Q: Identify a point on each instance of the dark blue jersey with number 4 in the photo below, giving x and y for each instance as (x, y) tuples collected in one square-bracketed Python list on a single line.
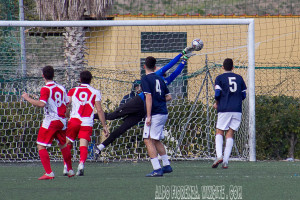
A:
[(230, 91), (154, 84)]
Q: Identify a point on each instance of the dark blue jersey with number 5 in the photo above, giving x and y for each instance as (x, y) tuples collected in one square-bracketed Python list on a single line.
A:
[(230, 91), (154, 84)]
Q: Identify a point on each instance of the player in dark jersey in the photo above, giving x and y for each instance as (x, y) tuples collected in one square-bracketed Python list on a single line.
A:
[(230, 91), (156, 95), (133, 110)]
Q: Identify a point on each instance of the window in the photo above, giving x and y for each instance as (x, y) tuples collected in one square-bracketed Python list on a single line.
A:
[(167, 42)]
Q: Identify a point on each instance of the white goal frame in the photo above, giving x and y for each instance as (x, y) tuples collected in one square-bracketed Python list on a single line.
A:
[(102, 23)]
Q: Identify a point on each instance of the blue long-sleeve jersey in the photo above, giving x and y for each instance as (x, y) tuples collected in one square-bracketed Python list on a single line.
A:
[(168, 80)]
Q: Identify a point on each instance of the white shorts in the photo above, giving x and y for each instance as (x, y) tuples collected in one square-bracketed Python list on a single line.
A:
[(228, 120), (155, 130)]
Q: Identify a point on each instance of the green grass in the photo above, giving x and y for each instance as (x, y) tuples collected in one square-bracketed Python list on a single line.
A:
[(258, 180)]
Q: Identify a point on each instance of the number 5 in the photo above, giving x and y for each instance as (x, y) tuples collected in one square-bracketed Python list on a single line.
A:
[(232, 84)]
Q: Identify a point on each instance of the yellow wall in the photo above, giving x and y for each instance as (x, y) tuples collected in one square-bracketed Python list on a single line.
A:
[(115, 52)]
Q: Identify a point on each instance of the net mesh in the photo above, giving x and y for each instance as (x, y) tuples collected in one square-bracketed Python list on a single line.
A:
[(115, 55)]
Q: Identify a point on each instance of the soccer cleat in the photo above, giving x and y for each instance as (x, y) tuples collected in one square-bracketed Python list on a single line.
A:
[(217, 162), (80, 171), (156, 173), (97, 152), (167, 169), (47, 176), (71, 173), (225, 165), (65, 172)]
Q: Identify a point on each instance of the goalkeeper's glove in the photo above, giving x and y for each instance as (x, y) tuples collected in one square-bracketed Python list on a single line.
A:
[(187, 50), (188, 55)]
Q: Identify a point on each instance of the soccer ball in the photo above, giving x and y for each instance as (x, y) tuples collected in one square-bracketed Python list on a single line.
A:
[(197, 44)]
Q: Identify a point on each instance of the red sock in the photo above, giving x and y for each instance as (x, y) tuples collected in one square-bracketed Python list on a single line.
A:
[(67, 157), (45, 159), (70, 146), (83, 153)]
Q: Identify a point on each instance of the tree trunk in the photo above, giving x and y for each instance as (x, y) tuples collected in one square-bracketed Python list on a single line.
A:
[(292, 141), (74, 53)]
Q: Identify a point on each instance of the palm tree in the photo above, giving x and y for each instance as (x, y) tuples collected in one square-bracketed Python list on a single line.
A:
[(63, 10)]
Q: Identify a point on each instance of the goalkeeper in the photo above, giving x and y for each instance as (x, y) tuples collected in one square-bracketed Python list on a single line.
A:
[(133, 111)]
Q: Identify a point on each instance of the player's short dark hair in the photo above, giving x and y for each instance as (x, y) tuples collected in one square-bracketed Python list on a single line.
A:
[(150, 62), (86, 77), (228, 64), (48, 72)]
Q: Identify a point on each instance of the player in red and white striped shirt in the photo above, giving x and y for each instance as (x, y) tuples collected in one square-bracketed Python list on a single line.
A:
[(53, 99), (83, 100)]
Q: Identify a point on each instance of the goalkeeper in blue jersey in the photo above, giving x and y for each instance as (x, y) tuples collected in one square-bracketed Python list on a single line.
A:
[(133, 110), (230, 91), (136, 89)]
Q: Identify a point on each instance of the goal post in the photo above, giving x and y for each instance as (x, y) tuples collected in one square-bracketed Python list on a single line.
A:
[(113, 74), (251, 86)]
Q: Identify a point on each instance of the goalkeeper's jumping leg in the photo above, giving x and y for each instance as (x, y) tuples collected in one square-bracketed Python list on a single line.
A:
[(129, 122), (133, 107)]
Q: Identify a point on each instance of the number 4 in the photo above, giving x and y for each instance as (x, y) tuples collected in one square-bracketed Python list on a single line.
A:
[(157, 86), (232, 84)]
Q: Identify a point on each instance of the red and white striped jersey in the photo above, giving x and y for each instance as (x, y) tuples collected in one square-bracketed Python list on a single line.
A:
[(83, 103), (56, 100)]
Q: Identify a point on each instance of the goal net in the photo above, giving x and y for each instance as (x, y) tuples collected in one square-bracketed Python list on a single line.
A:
[(114, 51)]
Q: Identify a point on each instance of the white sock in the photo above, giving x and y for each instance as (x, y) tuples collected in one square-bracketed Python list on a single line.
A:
[(219, 145), (80, 165), (228, 148), (155, 163), (165, 160), (101, 147)]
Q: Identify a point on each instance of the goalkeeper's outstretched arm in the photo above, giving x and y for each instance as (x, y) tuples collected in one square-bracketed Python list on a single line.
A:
[(186, 53), (174, 74), (168, 66)]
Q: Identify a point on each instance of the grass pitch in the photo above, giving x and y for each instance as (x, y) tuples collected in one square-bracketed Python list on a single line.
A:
[(123, 180)]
